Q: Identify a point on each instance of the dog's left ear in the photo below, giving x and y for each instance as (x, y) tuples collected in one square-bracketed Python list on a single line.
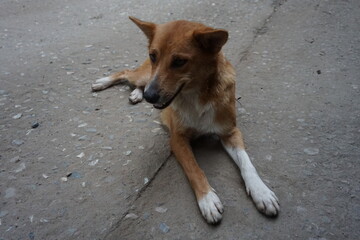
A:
[(211, 40), (147, 27)]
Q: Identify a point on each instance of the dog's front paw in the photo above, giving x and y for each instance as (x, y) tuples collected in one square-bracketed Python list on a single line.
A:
[(211, 207), (264, 199), (101, 84), (136, 96)]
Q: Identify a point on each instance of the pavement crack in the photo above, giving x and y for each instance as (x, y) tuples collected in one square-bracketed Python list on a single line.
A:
[(138, 195), (143, 189), (263, 29)]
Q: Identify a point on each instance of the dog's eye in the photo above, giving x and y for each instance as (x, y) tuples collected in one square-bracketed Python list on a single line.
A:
[(152, 57), (178, 62)]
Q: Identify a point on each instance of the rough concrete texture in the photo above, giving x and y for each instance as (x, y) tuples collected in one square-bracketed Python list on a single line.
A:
[(97, 167)]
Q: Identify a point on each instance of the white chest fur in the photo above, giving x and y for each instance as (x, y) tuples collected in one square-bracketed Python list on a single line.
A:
[(194, 115)]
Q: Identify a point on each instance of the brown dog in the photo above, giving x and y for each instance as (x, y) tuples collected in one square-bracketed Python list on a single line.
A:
[(188, 77)]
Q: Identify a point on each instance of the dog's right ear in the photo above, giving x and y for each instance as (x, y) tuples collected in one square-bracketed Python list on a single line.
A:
[(211, 40), (147, 27)]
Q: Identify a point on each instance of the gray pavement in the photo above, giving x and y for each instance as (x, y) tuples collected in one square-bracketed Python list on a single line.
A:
[(98, 167)]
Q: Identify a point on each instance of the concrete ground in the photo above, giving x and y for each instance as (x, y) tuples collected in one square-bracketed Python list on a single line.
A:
[(81, 165)]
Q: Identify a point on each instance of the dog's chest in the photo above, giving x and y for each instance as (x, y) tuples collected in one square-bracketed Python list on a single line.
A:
[(197, 116)]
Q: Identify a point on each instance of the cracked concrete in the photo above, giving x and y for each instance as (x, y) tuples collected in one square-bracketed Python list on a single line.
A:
[(286, 85), (97, 167)]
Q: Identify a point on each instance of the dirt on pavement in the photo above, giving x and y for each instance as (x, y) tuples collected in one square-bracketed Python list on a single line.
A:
[(81, 165)]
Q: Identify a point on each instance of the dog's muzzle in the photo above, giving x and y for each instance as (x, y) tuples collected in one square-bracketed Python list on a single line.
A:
[(159, 101)]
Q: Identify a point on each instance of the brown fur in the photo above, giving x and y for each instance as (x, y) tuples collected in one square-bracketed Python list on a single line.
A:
[(202, 89), (208, 71)]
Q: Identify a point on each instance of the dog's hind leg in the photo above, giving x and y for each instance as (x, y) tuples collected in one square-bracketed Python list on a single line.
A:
[(264, 199), (138, 77)]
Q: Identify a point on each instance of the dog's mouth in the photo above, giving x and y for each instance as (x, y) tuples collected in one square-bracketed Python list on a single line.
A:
[(167, 102)]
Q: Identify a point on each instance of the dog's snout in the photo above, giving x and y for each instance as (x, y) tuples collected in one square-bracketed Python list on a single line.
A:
[(151, 95)]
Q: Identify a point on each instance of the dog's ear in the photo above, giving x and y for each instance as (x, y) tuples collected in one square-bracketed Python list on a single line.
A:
[(147, 27), (211, 40)]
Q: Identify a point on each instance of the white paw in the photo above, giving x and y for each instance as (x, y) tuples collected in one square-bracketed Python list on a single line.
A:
[(101, 84), (211, 207), (264, 199), (136, 95)]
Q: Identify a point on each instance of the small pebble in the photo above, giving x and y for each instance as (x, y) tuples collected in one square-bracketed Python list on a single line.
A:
[(130, 118), (311, 151), (164, 228), (82, 125), (80, 155), (88, 61), (10, 192), (192, 226), (146, 215), (17, 142), (93, 163), (241, 110), (64, 179), (31, 236), (45, 176), (109, 179), (146, 180), (20, 168), (91, 130), (161, 209), (93, 70), (107, 148), (131, 216), (15, 159), (325, 219), (35, 125), (44, 220), (300, 209), (71, 231), (127, 153), (127, 162), (3, 213), (17, 116), (155, 130), (75, 174), (82, 138)]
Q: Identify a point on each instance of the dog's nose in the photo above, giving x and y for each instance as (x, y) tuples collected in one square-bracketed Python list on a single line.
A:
[(151, 95)]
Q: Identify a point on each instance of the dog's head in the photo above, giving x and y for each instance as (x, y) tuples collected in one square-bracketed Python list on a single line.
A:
[(182, 55)]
